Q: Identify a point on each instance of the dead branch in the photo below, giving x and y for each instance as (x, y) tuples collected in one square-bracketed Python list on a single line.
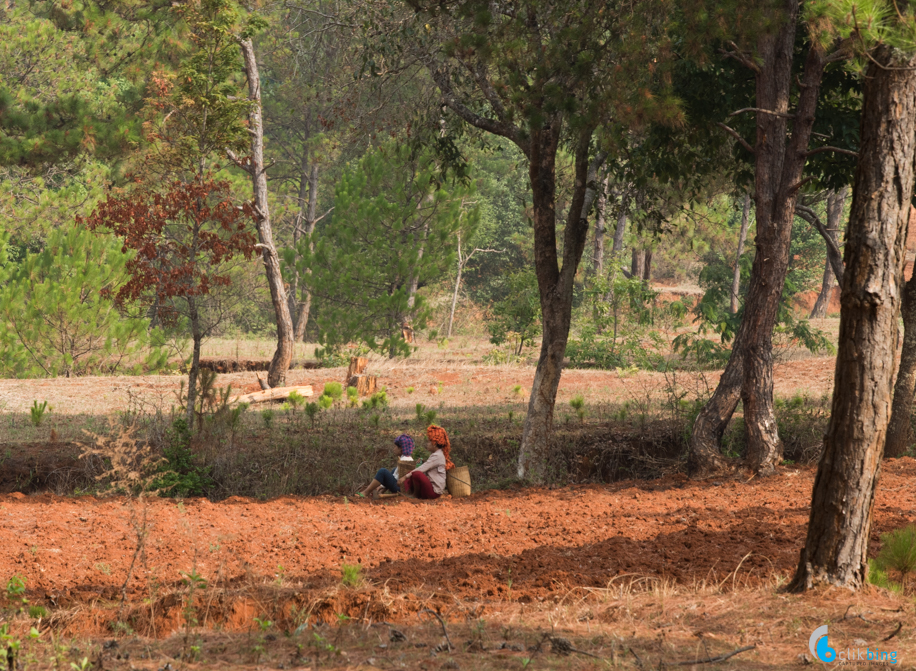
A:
[(894, 633), (441, 622), (719, 658), (735, 134)]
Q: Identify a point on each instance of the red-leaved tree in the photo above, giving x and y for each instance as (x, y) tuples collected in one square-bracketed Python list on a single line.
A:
[(182, 236)]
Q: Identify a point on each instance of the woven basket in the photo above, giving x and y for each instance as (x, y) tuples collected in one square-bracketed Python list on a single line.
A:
[(458, 481)]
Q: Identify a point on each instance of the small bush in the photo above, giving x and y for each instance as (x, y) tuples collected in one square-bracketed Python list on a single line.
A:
[(325, 402), (896, 563), (578, 404), (180, 475), (333, 390), (351, 575), (296, 399), (38, 412)]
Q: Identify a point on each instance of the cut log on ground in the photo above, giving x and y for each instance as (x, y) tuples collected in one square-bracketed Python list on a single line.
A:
[(365, 384), (357, 366), (277, 394)]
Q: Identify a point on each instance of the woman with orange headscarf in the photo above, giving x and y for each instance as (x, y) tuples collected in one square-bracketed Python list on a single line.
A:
[(427, 481)]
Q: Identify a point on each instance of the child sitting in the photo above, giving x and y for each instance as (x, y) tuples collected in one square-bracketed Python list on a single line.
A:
[(389, 479)]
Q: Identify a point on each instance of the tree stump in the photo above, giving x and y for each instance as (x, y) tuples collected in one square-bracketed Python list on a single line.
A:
[(365, 384), (357, 366)]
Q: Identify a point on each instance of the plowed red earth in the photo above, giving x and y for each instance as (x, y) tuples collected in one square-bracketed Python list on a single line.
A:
[(525, 545)]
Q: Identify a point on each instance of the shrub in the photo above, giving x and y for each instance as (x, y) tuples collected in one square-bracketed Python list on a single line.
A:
[(896, 561), (325, 402), (181, 475), (334, 390), (37, 412), (351, 575)]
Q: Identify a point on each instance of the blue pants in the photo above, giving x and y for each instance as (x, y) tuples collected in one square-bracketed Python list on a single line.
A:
[(388, 480)]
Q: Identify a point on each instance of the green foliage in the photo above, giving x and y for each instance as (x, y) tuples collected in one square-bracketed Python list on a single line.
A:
[(268, 417), (620, 325), (425, 416), (577, 403), (331, 357), (296, 400), (351, 575), (56, 318), (181, 475), (895, 564), (378, 401), (334, 390), (516, 317), (312, 410), (394, 226), (37, 412), (325, 402), (353, 396)]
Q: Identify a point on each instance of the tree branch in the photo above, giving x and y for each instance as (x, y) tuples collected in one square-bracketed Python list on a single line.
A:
[(719, 658), (834, 253), (838, 150), (741, 58), (494, 126), (736, 135), (762, 111)]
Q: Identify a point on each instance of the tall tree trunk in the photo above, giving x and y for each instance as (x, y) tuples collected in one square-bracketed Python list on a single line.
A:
[(899, 430), (555, 284), (600, 229), (621, 228), (835, 202), (279, 365), (638, 263), (779, 164), (451, 315), (647, 266), (844, 489), (305, 302), (742, 236), (196, 339)]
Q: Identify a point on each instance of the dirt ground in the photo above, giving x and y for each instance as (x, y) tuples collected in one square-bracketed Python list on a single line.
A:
[(523, 546)]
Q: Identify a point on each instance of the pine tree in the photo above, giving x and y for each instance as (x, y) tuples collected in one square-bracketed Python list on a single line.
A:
[(394, 227)]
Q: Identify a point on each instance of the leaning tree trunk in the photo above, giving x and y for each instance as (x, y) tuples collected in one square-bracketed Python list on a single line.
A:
[(742, 237), (276, 375), (555, 284), (835, 202), (844, 489), (779, 164)]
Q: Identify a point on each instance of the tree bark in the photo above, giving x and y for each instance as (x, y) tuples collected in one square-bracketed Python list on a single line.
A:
[(647, 266), (621, 228), (835, 202), (196, 339), (308, 216), (451, 315), (899, 432), (638, 263), (779, 164), (279, 365), (555, 283), (742, 237), (600, 228), (844, 488)]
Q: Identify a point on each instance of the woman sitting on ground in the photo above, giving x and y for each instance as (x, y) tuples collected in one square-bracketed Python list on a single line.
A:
[(389, 479), (428, 480)]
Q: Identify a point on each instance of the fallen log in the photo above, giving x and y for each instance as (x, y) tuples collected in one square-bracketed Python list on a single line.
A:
[(277, 394)]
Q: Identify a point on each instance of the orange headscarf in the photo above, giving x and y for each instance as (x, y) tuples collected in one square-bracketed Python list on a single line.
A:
[(438, 435)]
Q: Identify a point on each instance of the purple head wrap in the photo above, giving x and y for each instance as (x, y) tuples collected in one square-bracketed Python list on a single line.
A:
[(405, 442)]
